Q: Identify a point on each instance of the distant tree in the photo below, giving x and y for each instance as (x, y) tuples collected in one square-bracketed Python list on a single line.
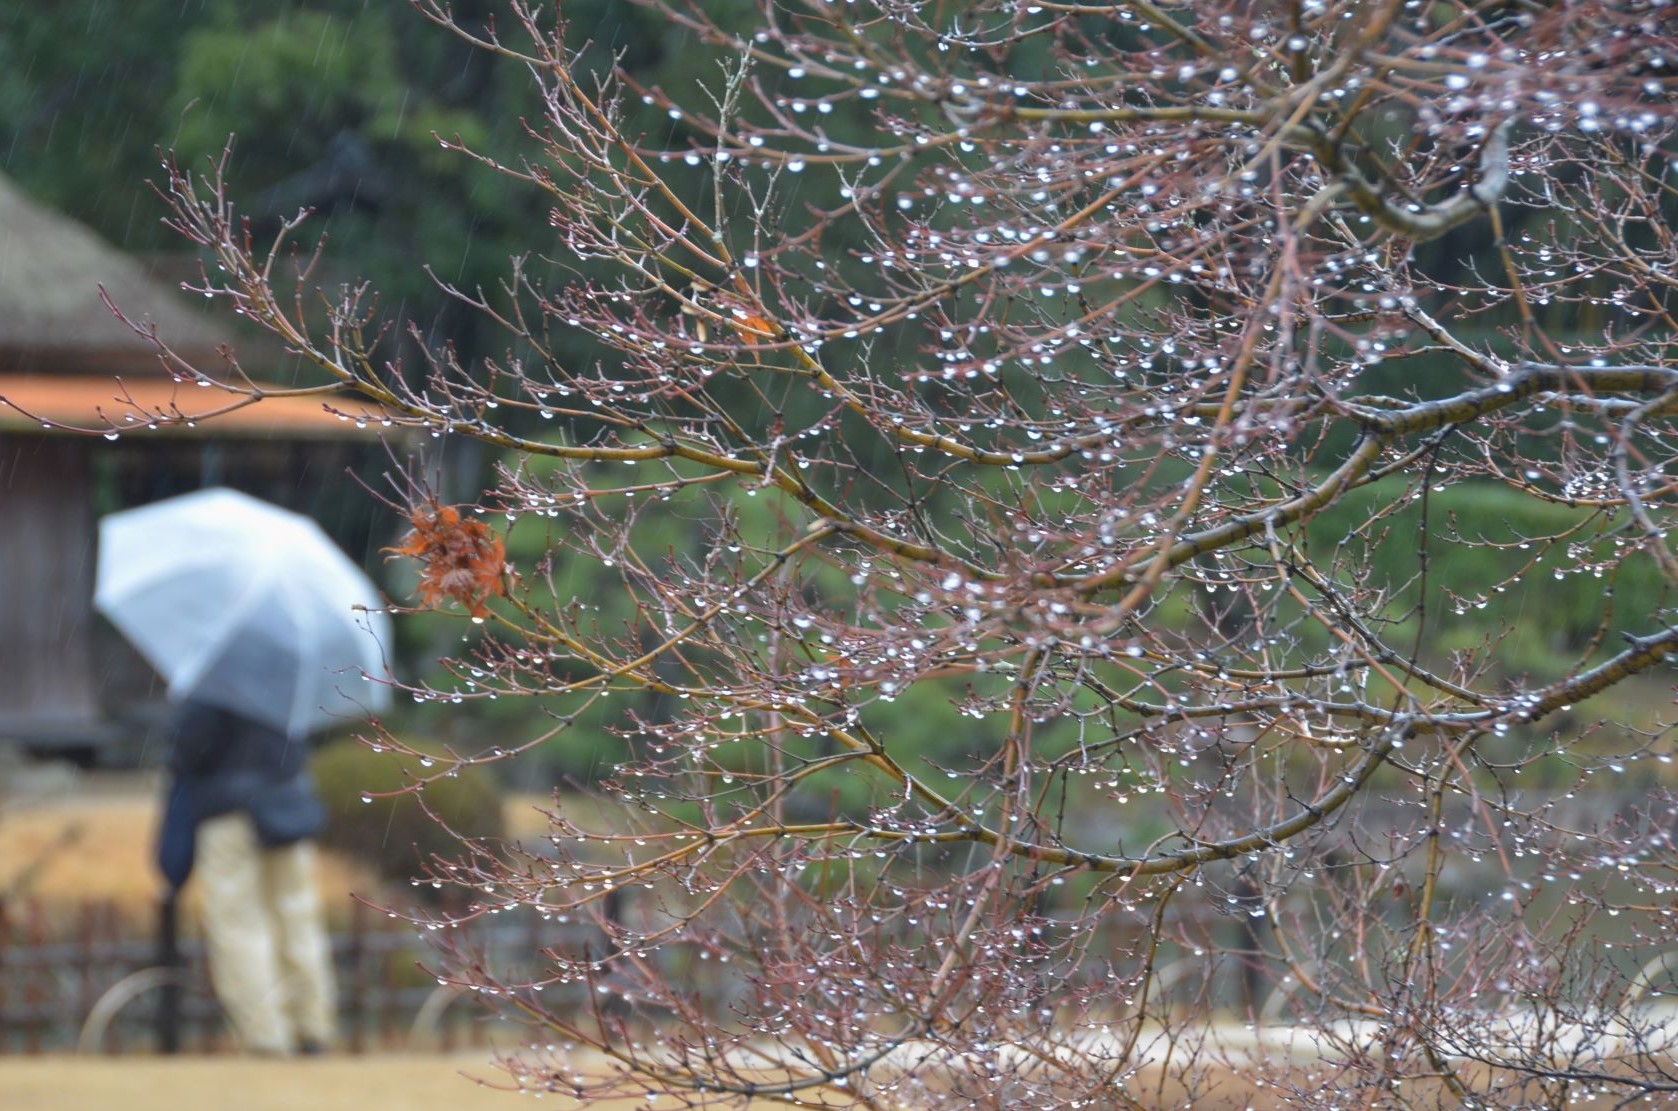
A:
[(1098, 382), (334, 101)]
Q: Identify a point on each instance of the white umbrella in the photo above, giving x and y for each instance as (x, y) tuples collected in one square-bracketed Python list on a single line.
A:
[(247, 606)]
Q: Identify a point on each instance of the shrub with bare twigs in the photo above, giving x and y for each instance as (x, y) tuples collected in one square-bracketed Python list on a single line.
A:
[(1034, 449)]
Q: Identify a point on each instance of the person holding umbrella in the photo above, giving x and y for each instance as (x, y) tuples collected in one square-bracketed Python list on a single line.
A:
[(259, 623), (245, 791)]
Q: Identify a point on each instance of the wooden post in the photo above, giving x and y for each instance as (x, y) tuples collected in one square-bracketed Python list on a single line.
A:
[(34, 994), (355, 999), (169, 956), (5, 946)]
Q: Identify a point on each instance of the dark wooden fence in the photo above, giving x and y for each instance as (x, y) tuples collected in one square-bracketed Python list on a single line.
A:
[(101, 983), (98, 983)]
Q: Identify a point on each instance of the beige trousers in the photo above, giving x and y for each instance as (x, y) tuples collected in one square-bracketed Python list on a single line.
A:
[(270, 956)]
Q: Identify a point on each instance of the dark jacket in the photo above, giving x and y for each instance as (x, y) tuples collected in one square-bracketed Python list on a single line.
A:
[(227, 762)]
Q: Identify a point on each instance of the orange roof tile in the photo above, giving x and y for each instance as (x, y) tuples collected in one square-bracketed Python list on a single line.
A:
[(52, 403)]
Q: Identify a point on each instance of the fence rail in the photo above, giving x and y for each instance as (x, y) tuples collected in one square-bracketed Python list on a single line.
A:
[(98, 983)]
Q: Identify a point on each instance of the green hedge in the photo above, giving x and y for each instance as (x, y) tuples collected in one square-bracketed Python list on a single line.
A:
[(396, 832), (1495, 566)]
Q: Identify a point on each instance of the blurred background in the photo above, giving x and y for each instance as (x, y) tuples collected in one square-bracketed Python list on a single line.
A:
[(338, 106)]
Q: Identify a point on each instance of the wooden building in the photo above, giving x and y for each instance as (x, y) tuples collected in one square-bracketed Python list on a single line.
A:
[(67, 682)]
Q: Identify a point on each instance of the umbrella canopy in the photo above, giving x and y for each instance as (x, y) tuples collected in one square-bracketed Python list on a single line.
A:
[(247, 606)]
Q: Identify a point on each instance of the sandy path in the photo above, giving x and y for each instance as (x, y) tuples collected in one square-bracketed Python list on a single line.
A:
[(374, 1083)]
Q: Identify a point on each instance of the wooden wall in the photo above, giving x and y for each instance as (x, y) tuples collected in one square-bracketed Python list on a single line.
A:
[(46, 587), (68, 680)]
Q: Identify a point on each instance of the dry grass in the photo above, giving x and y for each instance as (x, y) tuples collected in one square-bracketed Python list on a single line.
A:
[(72, 846), (92, 838)]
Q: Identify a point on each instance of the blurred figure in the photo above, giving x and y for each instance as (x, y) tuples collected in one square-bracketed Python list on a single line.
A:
[(243, 813)]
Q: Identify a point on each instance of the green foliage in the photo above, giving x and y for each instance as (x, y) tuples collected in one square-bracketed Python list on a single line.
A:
[(1518, 567), (90, 91), (79, 84), (396, 831), (307, 72), (1521, 568)]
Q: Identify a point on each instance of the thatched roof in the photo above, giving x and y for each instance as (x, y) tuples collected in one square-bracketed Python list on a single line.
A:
[(67, 364), (51, 318)]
